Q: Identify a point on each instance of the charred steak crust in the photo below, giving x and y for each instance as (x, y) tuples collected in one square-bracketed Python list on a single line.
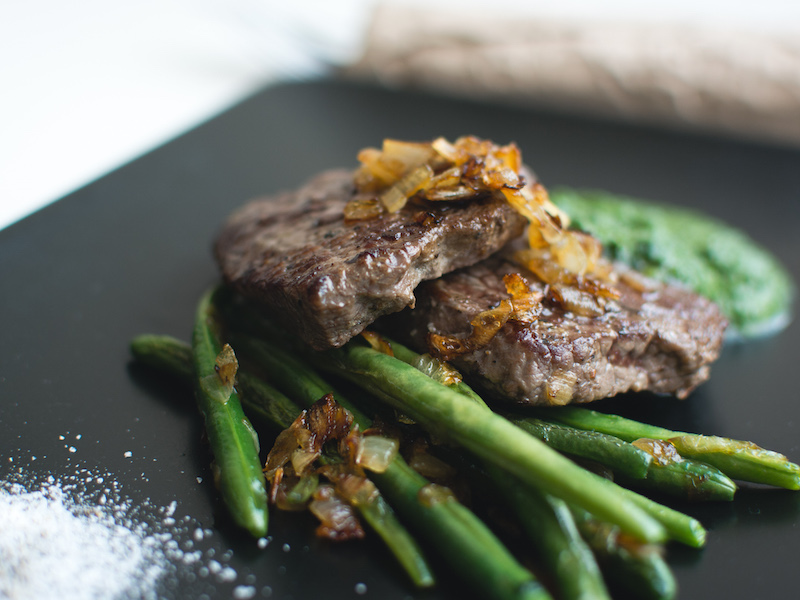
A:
[(661, 340), (327, 279)]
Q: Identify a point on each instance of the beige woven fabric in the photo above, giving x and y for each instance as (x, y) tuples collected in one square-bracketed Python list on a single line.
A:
[(744, 83)]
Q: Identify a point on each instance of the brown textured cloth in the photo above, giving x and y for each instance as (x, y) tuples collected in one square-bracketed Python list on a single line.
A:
[(742, 83)]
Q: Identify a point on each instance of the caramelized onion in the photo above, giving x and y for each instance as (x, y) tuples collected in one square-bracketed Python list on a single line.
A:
[(662, 451), (293, 467), (470, 167), (575, 301), (357, 490), (338, 520), (523, 306), (560, 387), (377, 342), (437, 370), (433, 494), (375, 452), (396, 196), (362, 208)]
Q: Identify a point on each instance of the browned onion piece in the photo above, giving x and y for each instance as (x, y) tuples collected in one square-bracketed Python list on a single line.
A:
[(662, 451), (293, 461), (433, 494), (431, 467), (377, 342), (575, 301), (442, 171), (560, 387), (437, 370), (375, 452), (524, 306), (484, 326), (362, 208), (396, 196), (442, 194), (338, 520)]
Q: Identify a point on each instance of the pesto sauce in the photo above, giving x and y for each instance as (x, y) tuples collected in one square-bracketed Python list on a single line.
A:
[(673, 244)]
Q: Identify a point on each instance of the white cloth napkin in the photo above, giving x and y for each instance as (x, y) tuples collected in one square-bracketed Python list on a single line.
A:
[(738, 79)]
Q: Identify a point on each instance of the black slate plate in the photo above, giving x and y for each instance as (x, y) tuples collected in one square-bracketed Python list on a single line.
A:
[(130, 253)]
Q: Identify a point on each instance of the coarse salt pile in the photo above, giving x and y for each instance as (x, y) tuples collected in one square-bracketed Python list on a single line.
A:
[(50, 543)]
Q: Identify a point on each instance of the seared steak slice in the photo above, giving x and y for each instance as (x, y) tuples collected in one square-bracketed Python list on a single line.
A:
[(660, 340), (326, 279)]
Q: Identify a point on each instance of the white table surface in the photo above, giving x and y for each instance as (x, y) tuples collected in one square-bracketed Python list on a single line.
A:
[(88, 85)]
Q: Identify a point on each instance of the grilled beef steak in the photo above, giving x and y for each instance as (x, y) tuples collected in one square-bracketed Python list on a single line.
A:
[(327, 279), (660, 340)]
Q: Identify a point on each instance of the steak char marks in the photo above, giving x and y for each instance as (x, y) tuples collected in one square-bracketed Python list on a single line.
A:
[(326, 279), (660, 340)]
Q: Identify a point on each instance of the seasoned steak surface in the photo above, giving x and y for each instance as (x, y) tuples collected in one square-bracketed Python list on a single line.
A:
[(326, 279), (661, 340)]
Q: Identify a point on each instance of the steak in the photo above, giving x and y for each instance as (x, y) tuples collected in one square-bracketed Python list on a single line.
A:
[(327, 279), (661, 340)]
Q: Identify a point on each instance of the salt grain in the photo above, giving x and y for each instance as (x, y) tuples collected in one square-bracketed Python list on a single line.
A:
[(244, 592)]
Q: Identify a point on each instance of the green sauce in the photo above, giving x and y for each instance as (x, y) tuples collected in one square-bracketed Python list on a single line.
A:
[(679, 245)]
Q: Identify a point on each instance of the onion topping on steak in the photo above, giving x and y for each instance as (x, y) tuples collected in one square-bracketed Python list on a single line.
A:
[(441, 171), (650, 337), (326, 278)]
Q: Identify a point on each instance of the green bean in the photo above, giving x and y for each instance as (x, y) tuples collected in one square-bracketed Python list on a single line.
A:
[(621, 457), (736, 459), (680, 527), (549, 525), (463, 540), (232, 439), (428, 365), (640, 570), (740, 460), (686, 479), (165, 353), (264, 403), (683, 478)]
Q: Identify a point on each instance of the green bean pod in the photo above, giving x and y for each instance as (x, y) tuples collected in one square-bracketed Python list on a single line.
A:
[(679, 526), (619, 456), (550, 527), (688, 480), (462, 539), (165, 353), (231, 437), (737, 459), (641, 571)]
